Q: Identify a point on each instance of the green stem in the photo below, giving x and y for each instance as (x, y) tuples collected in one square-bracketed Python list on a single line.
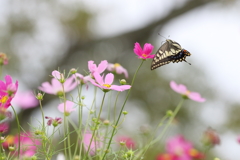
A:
[(18, 124), (96, 125), (165, 128), (119, 116), (43, 121)]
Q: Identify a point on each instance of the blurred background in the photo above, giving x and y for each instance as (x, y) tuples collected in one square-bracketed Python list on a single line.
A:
[(40, 36)]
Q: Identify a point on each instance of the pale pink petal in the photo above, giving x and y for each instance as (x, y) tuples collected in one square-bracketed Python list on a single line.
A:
[(69, 107), (110, 67), (120, 70), (178, 88), (25, 100), (109, 78), (56, 74), (46, 87), (148, 48), (70, 84), (138, 49), (120, 88), (91, 66), (98, 78), (196, 97), (94, 145), (102, 66), (8, 79)]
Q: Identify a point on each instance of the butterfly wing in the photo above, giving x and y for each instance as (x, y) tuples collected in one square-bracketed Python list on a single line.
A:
[(166, 54)]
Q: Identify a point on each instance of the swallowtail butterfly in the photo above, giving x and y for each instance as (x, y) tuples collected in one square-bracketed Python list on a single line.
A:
[(170, 51)]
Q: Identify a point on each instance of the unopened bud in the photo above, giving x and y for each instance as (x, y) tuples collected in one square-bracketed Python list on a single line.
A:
[(123, 82), (125, 112)]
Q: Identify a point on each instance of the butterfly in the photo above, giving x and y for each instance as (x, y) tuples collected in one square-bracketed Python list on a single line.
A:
[(170, 51)]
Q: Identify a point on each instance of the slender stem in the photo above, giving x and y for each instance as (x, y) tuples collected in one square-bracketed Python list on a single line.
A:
[(79, 120), (18, 124), (88, 119), (64, 121), (120, 113), (165, 128), (96, 125), (115, 107), (43, 121)]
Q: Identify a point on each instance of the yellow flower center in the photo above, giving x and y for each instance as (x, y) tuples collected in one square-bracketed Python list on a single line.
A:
[(166, 157), (144, 55), (4, 99), (107, 85), (10, 139), (116, 65), (187, 92)]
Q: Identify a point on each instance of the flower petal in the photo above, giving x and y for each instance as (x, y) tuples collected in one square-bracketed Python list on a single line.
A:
[(137, 49), (98, 78), (178, 88), (102, 66), (148, 48), (109, 78), (196, 97), (56, 74)]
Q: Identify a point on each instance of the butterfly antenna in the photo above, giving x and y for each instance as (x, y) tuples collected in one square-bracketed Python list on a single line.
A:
[(161, 35), (187, 62)]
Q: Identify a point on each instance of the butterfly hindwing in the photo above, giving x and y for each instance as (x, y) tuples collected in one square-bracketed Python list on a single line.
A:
[(170, 51)]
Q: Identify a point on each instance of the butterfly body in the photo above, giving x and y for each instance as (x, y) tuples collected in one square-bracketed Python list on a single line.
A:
[(170, 51)]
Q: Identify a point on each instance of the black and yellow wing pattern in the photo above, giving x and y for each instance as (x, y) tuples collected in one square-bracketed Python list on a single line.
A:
[(170, 51)]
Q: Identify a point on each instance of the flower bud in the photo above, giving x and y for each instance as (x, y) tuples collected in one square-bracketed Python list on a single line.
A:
[(73, 71), (125, 112), (169, 113), (106, 122), (40, 96), (123, 82), (11, 148)]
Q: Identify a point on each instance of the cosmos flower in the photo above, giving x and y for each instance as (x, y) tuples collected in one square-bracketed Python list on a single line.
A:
[(25, 100), (53, 121), (117, 68), (210, 138), (28, 144), (96, 144), (3, 127), (145, 52), (68, 109), (100, 68), (56, 86), (106, 83), (8, 90), (185, 92)]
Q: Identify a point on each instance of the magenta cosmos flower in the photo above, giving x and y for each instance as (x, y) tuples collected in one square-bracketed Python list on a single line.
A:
[(3, 127), (106, 83), (8, 90), (145, 52), (96, 144), (56, 86), (25, 100), (68, 108), (185, 92), (100, 68), (117, 68)]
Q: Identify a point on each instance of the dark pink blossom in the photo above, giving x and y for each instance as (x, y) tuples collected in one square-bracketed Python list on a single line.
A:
[(3, 127), (53, 121), (106, 83), (117, 68), (25, 100), (145, 52), (8, 90), (185, 92)]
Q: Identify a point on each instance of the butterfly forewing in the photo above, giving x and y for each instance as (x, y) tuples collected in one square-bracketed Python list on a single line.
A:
[(170, 51)]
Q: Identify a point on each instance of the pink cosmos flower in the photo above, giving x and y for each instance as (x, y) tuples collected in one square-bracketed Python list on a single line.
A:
[(8, 90), (25, 100), (100, 68), (56, 74), (106, 84), (180, 147), (145, 52), (28, 144), (94, 145), (56, 87), (68, 109), (185, 92), (117, 68), (129, 142), (82, 79), (4, 127)]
